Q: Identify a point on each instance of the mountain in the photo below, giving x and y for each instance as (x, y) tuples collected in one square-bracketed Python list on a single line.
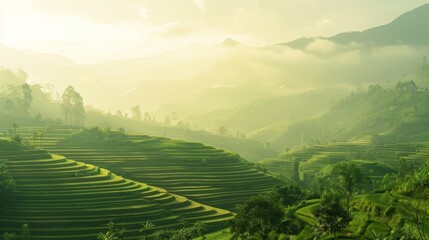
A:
[(269, 110), (228, 83), (411, 28), (396, 114)]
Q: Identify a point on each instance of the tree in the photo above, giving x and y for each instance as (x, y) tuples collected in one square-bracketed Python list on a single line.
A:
[(146, 228), (291, 225), (287, 195), (66, 105), (27, 96), (417, 188), (137, 114), (347, 179), (72, 107), (9, 236), (8, 186), (182, 234), (107, 236), (25, 232), (222, 130), (331, 215), (121, 233), (198, 230), (163, 234), (258, 216), (78, 109)]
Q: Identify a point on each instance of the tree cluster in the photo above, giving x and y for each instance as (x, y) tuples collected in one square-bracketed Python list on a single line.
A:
[(72, 107), (148, 232), (15, 94), (96, 137), (268, 216), (8, 186)]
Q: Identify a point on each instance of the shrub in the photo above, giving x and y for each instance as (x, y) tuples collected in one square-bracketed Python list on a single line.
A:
[(389, 212), (8, 187)]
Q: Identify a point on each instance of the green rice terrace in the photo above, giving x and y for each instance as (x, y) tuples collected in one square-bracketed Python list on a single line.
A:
[(65, 199), (199, 172), (373, 158)]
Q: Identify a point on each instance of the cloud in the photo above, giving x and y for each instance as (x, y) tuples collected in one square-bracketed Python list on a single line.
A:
[(102, 11), (324, 22), (201, 5), (142, 10), (321, 46)]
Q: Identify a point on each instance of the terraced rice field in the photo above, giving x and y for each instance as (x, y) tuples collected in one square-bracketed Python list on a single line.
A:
[(198, 172), (63, 199), (374, 160)]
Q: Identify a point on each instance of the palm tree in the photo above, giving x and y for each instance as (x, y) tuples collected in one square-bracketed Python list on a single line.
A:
[(182, 234), (25, 231), (146, 227), (121, 233), (106, 236), (15, 127), (41, 138), (34, 138)]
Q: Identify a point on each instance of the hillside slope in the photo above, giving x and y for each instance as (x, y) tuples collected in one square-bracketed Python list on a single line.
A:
[(196, 171), (64, 199), (375, 111)]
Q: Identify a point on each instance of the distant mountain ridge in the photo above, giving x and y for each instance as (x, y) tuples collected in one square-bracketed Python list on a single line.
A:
[(411, 28)]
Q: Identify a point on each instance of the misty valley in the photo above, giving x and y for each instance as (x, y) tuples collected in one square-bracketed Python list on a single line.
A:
[(162, 120)]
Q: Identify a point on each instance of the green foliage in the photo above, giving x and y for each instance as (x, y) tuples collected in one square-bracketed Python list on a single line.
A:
[(377, 110), (287, 195), (25, 235), (9, 236), (136, 112), (163, 234), (10, 144), (72, 107), (146, 228), (290, 224), (8, 186), (96, 137), (331, 215), (256, 217), (15, 95), (107, 236), (349, 176), (346, 180)]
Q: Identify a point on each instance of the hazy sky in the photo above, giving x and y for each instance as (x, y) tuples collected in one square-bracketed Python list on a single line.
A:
[(95, 30)]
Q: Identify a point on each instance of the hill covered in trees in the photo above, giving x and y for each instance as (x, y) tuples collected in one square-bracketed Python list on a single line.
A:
[(400, 113)]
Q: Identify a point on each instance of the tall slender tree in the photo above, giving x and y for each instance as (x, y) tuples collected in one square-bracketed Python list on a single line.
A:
[(222, 130), (146, 228), (72, 107), (137, 114)]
